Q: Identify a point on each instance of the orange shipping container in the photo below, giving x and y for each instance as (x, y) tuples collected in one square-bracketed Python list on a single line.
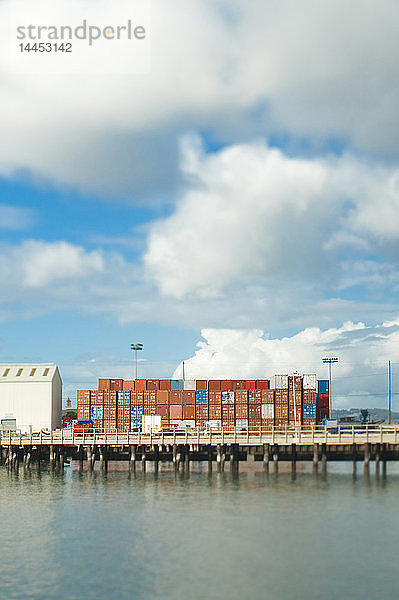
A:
[(215, 411), (215, 397), (238, 384), (84, 396), (189, 411), (109, 398), (150, 397), (241, 396), (97, 397), (163, 397), (109, 412), (124, 427), (129, 386), (163, 410), (137, 398), (83, 412), (109, 425), (140, 385), (150, 409), (103, 384), (241, 411)]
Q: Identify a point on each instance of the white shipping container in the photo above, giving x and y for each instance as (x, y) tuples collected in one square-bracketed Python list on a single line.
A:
[(279, 382), (214, 424), (228, 397), (267, 411), (151, 423), (309, 381), (189, 384)]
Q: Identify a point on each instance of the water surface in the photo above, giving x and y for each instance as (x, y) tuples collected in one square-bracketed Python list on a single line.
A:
[(183, 536)]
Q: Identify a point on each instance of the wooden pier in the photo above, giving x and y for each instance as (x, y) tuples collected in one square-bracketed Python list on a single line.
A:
[(270, 446)]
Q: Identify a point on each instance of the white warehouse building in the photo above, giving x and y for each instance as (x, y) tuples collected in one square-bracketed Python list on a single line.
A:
[(30, 397)]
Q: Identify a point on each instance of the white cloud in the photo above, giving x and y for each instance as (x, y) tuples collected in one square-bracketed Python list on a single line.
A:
[(251, 213), (359, 378), (308, 70)]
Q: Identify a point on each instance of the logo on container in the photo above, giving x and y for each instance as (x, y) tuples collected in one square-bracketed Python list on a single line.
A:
[(82, 32)]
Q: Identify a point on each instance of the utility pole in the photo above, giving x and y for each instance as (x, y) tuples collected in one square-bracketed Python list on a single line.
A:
[(330, 361), (183, 371), (389, 392)]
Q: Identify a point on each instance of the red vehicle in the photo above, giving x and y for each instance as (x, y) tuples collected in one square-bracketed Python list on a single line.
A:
[(83, 427)]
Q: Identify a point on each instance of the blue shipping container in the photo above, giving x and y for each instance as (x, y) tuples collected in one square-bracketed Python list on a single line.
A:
[(309, 411), (123, 398), (201, 397), (97, 412), (136, 411), (176, 384), (322, 386)]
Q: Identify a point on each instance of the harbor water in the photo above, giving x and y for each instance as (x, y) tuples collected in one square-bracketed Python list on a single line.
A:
[(180, 536)]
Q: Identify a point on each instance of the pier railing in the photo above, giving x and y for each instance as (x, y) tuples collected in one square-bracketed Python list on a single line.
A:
[(342, 434)]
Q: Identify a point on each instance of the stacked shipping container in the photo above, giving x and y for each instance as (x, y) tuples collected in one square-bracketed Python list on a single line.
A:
[(239, 405)]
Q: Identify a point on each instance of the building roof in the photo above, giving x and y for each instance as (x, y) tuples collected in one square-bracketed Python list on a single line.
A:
[(32, 372)]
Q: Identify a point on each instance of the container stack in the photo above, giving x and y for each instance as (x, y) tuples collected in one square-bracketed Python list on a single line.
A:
[(323, 400), (280, 385), (235, 405), (309, 383)]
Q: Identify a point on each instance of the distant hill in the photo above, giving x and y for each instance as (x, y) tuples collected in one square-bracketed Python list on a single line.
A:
[(375, 414)]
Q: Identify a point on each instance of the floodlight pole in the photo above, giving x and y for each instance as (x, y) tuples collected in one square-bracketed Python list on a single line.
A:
[(136, 347), (330, 361)]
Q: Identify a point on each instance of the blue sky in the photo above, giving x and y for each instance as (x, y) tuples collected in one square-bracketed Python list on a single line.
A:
[(237, 206)]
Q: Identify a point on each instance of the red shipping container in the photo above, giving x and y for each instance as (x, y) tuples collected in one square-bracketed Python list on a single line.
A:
[(215, 411), (116, 385), (163, 410), (152, 384), (281, 396), (254, 423), (137, 398), (323, 400), (201, 411), (189, 397), (175, 411), (176, 397), (84, 396), (83, 412), (262, 384), (241, 411), (241, 396), (150, 409), (214, 385), (250, 384), (267, 396), (140, 385), (309, 396), (255, 411), (226, 385), (255, 396), (322, 412), (189, 411), (103, 384), (228, 412), (150, 397), (215, 397), (129, 386), (238, 384), (201, 384), (165, 385), (267, 423)]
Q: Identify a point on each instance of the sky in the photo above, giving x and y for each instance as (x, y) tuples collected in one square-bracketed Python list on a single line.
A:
[(235, 205)]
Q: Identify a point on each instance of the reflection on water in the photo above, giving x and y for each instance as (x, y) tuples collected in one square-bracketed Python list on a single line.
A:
[(199, 534)]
